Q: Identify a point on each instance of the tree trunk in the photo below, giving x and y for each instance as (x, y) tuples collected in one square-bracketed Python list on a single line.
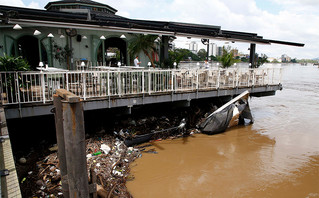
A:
[(148, 55)]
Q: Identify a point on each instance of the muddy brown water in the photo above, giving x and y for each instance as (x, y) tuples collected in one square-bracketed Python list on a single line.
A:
[(277, 156)]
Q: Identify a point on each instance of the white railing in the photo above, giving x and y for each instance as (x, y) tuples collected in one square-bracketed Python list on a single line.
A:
[(31, 87)]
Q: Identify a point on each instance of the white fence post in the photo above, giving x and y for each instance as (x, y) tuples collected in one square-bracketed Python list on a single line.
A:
[(197, 80), (218, 78), (43, 87), (172, 81), (84, 84)]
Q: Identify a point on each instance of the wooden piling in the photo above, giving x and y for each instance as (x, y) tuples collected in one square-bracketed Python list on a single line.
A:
[(71, 144)]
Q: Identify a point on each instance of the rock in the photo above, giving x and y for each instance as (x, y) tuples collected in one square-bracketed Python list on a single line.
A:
[(40, 183), (23, 160), (141, 121), (132, 122), (54, 148)]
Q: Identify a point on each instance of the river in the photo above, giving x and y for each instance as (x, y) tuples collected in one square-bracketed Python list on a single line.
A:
[(277, 156)]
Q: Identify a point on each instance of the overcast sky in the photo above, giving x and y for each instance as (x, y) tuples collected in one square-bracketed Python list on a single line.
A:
[(287, 20)]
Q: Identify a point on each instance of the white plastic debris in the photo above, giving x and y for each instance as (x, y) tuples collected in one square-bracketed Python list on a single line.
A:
[(126, 160), (235, 111), (98, 164), (105, 148), (130, 148), (115, 172), (89, 155)]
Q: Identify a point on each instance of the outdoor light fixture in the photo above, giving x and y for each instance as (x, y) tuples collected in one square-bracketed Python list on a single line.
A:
[(102, 37), (149, 64), (62, 36), (119, 64), (36, 33), (41, 66), (17, 27), (83, 64), (84, 37), (197, 64), (50, 35), (122, 36), (174, 65)]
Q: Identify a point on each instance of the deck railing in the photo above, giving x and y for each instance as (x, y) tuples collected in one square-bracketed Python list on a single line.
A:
[(33, 87)]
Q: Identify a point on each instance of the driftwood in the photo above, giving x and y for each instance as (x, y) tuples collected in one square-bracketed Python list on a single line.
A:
[(101, 191)]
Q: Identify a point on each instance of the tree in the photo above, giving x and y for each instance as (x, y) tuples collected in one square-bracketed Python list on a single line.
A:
[(227, 59), (260, 60), (213, 58), (244, 59), (202, 53), (144, 43), (176, 55)]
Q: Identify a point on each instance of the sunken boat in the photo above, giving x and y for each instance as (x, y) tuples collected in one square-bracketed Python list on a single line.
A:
[(230, 114)]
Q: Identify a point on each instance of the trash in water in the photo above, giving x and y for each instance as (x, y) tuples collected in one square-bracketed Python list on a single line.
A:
[(105, 148)]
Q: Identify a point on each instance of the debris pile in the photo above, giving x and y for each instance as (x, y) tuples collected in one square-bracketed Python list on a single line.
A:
[(107, 157)]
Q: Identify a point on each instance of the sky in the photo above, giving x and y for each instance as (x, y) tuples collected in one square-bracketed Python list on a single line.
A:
[(286, 20)]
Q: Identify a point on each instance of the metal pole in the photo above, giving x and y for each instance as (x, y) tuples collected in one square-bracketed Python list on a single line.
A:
[(252, 55), (103, 52), (40, 51), (207, 49)]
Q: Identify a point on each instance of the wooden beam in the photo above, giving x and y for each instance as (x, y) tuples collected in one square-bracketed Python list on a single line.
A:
[(68, 96)]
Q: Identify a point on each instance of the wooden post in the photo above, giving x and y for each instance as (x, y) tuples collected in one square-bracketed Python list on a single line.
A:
[(71, 144), (60, 140)]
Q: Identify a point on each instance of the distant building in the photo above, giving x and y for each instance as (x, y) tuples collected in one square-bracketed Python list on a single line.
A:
[(235, 52), (193, 47), (271, 59), (219, 51), (212, 49), (285, 58), (172, 45)]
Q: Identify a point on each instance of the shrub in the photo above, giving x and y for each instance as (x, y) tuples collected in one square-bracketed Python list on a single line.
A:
[(9, 63)]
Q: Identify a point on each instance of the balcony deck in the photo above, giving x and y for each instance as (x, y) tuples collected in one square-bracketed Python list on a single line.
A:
[(25, 94)]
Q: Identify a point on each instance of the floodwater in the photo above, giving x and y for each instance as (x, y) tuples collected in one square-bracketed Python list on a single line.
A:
[(277, 156)]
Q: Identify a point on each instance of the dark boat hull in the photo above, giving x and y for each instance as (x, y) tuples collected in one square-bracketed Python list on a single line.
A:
[(139, 139)]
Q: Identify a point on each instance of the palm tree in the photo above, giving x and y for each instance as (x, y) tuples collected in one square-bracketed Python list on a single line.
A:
[(227, 59), (145, 43)]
